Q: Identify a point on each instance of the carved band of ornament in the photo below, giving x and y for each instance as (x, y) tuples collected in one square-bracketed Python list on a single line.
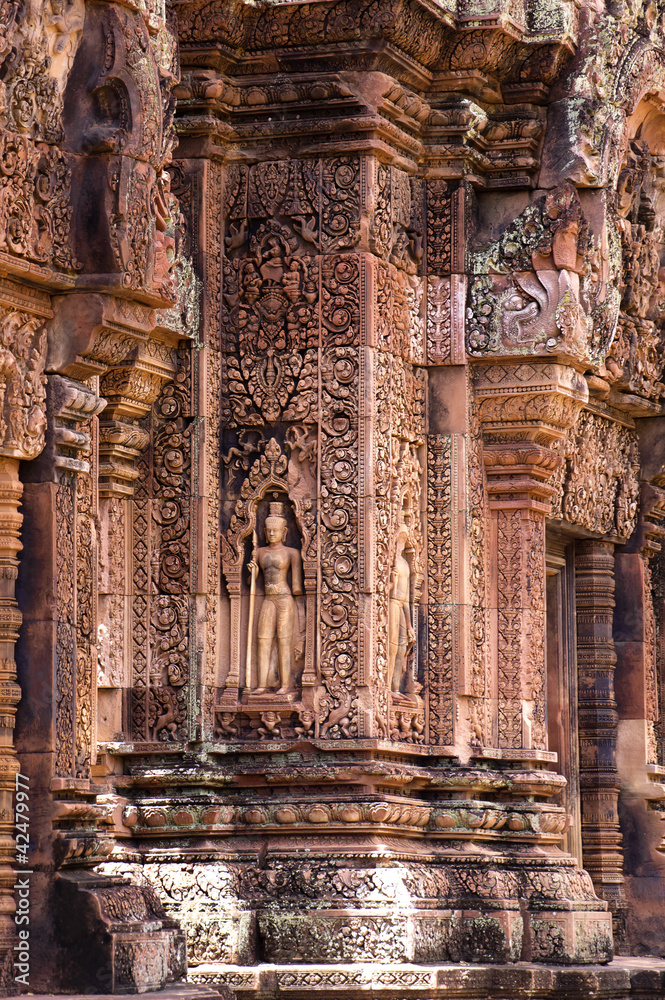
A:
[(534, 376), (135, 386), (549, 413), (480, 820), (23, 299), (520, 470)]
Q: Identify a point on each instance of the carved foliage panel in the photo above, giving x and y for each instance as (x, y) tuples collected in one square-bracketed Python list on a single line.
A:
[(35, 58), (509, 625), (657, 567), (161, 567), (479, 684), (140, 590), (171, 565), (22, 382), (440, 589), (400, 325), (650, 663), (211, 375), (521, 623), (65, 720), (440, 219), (439, 319), (289, 283), (86, 607), (396, 225), (35, 209), (599, 485), (339, 533)]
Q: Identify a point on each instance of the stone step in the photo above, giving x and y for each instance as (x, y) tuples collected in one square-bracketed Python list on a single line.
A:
[(176, 991), (621, 979)]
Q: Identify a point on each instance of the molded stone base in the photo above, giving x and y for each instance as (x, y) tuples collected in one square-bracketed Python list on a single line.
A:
[(324, 906), (365, 935), (569, 937), (622, 979)]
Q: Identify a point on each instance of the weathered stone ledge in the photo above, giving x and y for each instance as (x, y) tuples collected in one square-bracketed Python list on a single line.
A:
[(622, 978), (177, 991)]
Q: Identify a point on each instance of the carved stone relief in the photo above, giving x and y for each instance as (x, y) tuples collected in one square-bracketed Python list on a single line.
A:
[(599, 485), (381, 320), (271, 672), (556, 278)]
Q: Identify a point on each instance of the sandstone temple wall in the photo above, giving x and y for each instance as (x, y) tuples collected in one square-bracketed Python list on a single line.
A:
[(332, 490)]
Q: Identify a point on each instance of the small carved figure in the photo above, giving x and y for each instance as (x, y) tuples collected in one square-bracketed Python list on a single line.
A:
[(63, 20), (306, 727), (226, 726), (277, 618), (271, 725), (401, 636)]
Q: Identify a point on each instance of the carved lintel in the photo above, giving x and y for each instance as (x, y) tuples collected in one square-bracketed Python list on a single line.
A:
[(91, 332)]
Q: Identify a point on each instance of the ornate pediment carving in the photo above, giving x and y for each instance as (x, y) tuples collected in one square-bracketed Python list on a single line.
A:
[(543, 286)]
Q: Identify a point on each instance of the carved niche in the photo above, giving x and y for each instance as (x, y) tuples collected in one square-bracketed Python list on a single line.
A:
[(256, 701)]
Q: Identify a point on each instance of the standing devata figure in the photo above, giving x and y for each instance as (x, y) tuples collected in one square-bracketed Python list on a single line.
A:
[(278, 610), (401, 636)]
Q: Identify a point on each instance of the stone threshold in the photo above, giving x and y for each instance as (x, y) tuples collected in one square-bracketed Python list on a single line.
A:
[(175, 991), (624, 978)]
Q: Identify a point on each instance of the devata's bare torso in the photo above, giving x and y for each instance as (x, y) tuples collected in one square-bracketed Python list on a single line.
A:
[(275, 562)]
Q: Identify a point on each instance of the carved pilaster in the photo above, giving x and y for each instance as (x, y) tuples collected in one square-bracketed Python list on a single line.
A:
[(10, 693), (22, 423), (524, 410), (596, 657)]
